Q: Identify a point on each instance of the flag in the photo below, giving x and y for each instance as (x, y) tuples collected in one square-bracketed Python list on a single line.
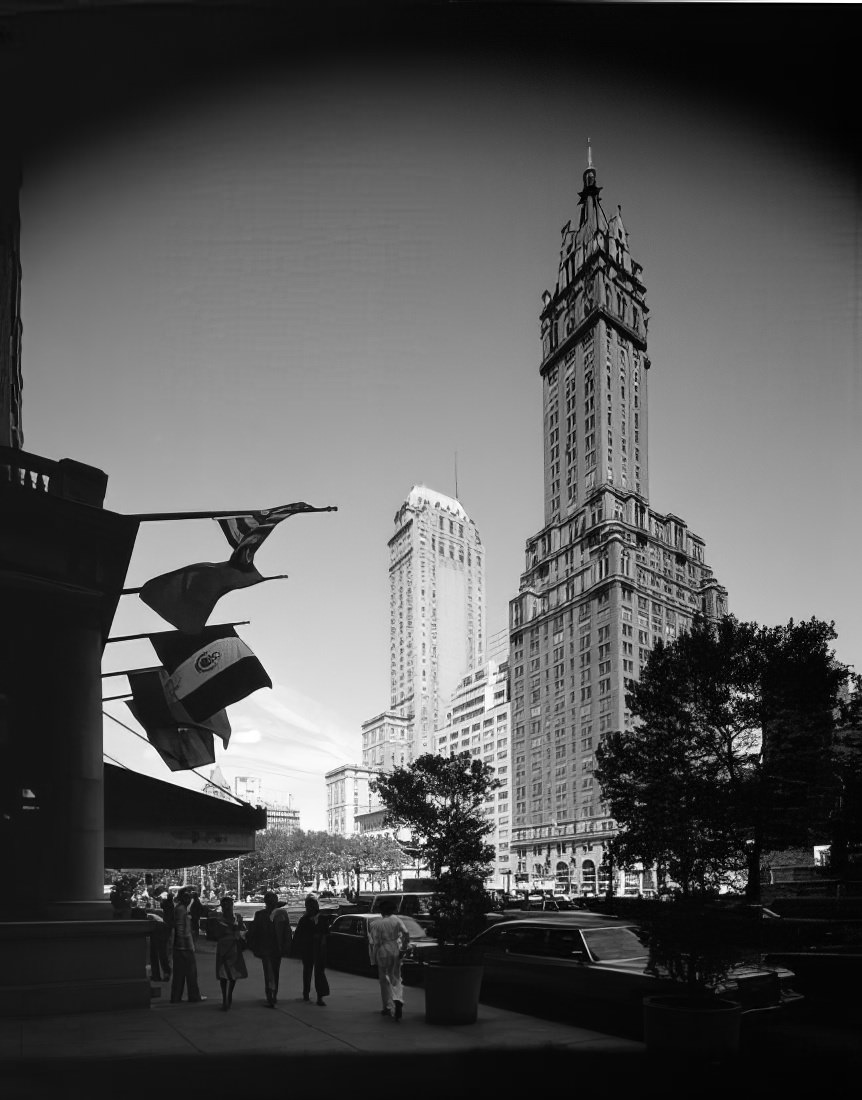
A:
[(186, 597), (182, 747), (210, 670), (154, 698), (180, 742), (245, 533)]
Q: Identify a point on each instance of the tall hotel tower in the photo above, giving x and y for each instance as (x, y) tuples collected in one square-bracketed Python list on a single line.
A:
[(606, 577), (436, 607)]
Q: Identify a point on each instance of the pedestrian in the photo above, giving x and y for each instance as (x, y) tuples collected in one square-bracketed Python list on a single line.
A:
[(388, 939), (168, 904), (230, 934), (309, 944), (196, 910), (270, 939), (160, 967), (185, 966)]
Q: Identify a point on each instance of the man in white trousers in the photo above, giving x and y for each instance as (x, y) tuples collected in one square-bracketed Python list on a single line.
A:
[(387, 941)]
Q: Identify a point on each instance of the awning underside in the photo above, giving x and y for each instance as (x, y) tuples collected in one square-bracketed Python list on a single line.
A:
[(150, 823)]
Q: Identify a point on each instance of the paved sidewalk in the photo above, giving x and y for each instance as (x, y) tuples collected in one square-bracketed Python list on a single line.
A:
[(298, 1041)]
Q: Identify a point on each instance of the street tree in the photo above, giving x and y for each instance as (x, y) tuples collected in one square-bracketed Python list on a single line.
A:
[(733, 723), (440, 801)]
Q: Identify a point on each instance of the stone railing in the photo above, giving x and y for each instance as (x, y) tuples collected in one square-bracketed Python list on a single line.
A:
[(66, 478)]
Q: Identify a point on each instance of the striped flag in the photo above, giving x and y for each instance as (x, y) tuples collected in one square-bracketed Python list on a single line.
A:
[(245, 533), (210, 670), (181, 742)]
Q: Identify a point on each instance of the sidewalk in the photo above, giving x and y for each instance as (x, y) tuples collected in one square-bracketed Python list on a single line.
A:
[(296, 1043)]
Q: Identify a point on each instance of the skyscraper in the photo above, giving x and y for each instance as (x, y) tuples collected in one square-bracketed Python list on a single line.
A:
[(607, 576), (436, 608)]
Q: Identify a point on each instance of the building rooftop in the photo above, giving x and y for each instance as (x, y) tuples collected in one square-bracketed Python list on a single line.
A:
[(420, 494)]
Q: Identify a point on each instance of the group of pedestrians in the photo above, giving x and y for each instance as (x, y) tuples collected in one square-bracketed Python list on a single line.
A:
[(271, 939)]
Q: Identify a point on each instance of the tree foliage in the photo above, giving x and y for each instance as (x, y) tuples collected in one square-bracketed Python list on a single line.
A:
[(440, 800), (732, 750)]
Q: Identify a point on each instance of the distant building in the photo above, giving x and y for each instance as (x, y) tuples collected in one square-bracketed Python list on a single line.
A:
[(217, 785), (386, 741), (436, 633), (477, 721), (249, 788), (436, 608), (347, 796), (279, 816), (607, 576)]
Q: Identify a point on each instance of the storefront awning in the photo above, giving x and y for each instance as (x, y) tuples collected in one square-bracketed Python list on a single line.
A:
[(150, 823)]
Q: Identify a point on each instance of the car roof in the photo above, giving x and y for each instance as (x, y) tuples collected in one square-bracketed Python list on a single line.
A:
[(566, 920)]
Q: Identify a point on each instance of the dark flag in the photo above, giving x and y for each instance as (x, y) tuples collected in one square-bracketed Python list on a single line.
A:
[(210, 670), (186, 597), (181, 742), (245, 533)]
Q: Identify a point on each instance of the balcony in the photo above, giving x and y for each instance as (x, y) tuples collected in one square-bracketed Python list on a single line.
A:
[(66, 479)]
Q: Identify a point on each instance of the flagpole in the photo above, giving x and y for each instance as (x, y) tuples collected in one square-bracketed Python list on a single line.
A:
[(131, 671), (277, 577), (146, 741), (149, 634), (152, 517)]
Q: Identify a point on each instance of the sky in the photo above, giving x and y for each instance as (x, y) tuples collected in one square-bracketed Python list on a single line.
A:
[(322, 282)]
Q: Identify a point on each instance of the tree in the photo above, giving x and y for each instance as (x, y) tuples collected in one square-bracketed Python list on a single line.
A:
[(845, 805), (730, 753), (377, 856), (440, 800)]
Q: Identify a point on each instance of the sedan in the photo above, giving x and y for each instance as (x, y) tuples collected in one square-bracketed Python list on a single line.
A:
[(603, 959), (347, 945)]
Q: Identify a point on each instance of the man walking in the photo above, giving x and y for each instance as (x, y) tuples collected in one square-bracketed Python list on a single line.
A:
[(185, 963), (270, 939), (309, 944), (388, 939)]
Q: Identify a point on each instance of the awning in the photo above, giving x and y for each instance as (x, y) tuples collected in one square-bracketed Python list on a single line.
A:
[(150, 823)]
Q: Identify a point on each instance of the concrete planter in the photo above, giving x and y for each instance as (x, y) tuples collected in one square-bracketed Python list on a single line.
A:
[(59, 967), (452, 993), (691, 1026)]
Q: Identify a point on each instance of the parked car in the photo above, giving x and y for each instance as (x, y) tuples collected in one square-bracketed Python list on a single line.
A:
[(347, 946), (595, 958), (408, 904)]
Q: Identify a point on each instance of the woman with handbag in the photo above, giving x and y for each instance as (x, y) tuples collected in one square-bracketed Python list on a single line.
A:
[(230, 935)]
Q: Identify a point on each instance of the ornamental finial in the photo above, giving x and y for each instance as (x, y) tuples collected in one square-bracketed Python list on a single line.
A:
[(589, 154)]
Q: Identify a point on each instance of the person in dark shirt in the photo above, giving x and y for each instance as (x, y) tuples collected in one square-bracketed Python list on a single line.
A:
[(309, 944), (270, 940), (196, 911)]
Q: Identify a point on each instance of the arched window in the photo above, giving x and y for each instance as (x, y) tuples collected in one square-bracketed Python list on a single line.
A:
[(604, 878), (562, 877), (588, 876)]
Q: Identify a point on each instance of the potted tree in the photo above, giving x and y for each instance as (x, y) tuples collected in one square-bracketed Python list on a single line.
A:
[(689, 944), (440, 800)]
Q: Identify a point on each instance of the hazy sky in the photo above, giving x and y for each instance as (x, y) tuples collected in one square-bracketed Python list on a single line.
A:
[(321, 284)]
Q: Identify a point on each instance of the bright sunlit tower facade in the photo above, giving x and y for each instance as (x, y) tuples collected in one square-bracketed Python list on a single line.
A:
[(436, 607), (606, 576)]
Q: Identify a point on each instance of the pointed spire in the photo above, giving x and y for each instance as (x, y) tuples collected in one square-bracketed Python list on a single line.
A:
[(592, 214)]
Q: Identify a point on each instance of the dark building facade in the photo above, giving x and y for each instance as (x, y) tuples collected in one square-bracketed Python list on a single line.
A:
[(607, 576)]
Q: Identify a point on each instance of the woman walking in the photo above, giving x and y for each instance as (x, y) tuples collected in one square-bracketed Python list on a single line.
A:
[(230, 934), (388, 939), (309, 944)]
